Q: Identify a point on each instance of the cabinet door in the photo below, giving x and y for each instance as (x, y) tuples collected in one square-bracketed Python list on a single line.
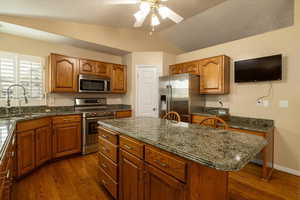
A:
[(64, 73), (87, 67), (176, 69), (43, 145), (66, 139), (160, 186), (102, 69), (131, 177), (26, 152), (118, 79), (191, 68), (214, 75)]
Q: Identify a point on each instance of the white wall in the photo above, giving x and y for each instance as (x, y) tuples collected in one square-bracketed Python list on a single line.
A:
[(242, 98), (21, 45)]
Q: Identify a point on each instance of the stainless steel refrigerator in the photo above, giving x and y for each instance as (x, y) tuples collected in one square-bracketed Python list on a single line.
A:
[(180, 93)]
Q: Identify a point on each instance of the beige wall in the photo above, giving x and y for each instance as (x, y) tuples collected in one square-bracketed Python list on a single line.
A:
[(242, 98), (11, 43), (125, 39)]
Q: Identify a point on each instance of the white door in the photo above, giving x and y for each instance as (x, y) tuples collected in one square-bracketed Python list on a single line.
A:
[(147, 91)]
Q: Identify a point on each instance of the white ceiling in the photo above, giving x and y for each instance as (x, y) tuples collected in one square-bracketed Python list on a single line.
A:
[(98, 11), (231, 20)]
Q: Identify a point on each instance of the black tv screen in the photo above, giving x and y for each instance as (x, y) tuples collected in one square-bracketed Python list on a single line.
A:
[(259, 69)]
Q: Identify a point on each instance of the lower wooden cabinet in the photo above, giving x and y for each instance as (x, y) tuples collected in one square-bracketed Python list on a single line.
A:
[(43, 145), (26, 151), (131, 183), (66, 139), (160, 186), (123, 114)]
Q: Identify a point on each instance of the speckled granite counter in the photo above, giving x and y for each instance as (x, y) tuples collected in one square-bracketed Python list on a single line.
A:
[(219, 149)]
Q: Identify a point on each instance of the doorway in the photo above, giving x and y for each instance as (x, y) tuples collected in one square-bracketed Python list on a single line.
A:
[(147, 91)]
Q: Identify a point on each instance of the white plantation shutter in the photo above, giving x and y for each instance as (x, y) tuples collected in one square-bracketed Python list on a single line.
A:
[(24, 70)]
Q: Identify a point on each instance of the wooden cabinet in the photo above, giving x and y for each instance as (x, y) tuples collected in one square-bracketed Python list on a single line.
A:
[(87, 67), (66, 136), (160, 186), (63, 73), (26, 152), (43, 138), (124, 114), (118, 79), (215, 75), (131, 177), (102, 69)]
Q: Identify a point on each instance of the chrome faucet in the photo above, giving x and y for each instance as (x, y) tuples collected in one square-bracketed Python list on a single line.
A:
[(8, 93)]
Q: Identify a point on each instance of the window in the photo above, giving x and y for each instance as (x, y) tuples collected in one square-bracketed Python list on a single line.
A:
[(27, 71)]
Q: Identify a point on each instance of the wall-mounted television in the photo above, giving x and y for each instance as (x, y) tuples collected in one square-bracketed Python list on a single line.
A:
[(258, 69)]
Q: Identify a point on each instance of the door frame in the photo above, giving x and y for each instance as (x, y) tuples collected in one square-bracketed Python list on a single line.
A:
[(158, 72)]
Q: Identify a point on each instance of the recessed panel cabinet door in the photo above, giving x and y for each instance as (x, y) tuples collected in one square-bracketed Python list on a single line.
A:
[(102, 69), (66, 139), (214, 75), (43, 144), (131, 177), (26, 152), (160, 186), (64, 73), (87, 67), (118, 78)]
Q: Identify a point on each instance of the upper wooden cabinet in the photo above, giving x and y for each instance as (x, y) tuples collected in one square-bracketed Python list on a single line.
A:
[(87, 67), (93, 68), (118, 79), (63, 73), (214, 73)]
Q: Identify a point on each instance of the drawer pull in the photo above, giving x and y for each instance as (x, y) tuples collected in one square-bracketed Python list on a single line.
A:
[(161, 163), (104, 165), (105, 149), (103, 182), (8, 174), (127, 147)]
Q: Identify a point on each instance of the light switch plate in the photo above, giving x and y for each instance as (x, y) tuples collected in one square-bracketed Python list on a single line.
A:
[(284, 104)]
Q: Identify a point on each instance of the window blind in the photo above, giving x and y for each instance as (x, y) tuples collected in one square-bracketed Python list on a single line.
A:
[(24, 70)]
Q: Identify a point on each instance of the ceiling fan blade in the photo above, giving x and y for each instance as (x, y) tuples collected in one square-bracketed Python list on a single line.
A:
[(140, 22), (120, 2), (174, 16)]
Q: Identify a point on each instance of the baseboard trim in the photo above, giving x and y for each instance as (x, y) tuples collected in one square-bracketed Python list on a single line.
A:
[(287, 170)]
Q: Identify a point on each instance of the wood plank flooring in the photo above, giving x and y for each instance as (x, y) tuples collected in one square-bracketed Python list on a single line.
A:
[(76, 178)]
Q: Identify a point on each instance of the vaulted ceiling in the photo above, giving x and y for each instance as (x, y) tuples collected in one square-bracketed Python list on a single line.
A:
[(207, 22)]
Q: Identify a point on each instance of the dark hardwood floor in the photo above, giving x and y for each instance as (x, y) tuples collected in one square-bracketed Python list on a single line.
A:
[(76, 179)]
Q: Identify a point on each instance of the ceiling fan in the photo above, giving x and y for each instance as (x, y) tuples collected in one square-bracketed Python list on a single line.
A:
[(153, 7)]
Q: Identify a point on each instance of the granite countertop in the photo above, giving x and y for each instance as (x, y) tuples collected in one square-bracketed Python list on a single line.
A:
[(246, 123), (215, 148), (8, 123)]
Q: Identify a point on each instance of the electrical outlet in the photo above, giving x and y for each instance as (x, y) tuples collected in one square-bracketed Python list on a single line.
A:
[(283, 103)]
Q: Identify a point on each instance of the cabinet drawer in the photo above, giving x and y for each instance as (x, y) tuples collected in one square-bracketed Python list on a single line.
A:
[(66, 119), (108, 166), (108, 183), (108, 135), (123, 114), (108, 149), (132, 146), (32, 124), (170, 164)]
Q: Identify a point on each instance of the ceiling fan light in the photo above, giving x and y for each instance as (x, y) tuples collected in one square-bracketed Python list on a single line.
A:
[(155, 21), (164, 12), (139, 15), (145, 6)]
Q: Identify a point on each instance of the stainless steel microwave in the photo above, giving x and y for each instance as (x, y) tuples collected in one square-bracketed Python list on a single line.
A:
[(95, 84)]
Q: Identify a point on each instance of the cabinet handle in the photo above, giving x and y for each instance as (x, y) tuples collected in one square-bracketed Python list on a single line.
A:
[(127, 147), (105, 149), (104, 165), (103, 182), (161, 163), (8, 174)]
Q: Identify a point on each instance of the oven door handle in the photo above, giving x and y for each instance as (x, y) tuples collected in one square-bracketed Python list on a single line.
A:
[(98, 118)]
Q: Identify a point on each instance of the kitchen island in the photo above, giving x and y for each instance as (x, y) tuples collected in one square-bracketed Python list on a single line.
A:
[(160, 159)]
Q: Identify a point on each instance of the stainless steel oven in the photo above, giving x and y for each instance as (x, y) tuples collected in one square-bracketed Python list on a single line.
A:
[(90, 83)]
